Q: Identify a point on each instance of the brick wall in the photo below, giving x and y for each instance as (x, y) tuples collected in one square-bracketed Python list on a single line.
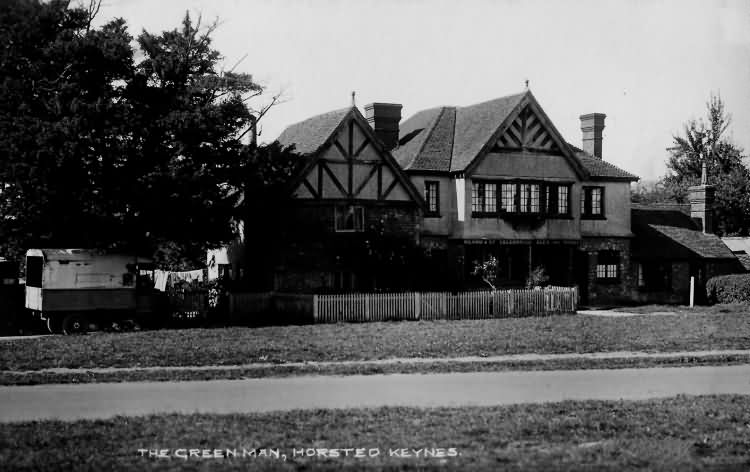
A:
[(604, 292)]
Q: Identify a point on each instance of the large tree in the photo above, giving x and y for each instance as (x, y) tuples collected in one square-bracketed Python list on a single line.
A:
[(99, 151), (705, 141)]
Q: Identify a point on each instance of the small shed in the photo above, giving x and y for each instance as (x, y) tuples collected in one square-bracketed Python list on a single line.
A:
[(669, 248)]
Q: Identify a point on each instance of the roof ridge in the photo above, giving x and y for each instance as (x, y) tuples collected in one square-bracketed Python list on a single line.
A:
[(504, 97)]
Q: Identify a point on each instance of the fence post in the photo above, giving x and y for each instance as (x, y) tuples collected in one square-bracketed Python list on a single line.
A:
[(315, 308), (417, 306)]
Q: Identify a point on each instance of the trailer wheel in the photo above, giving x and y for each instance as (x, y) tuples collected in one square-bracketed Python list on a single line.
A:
[(74, 324), (53, 324)]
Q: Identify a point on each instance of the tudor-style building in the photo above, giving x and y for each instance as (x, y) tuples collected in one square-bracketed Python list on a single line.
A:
[(461, 183), (499, 179), (354, 215)]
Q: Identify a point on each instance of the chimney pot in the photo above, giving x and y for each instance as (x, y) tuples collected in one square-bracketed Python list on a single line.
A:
[(592, 125), (384, 119)]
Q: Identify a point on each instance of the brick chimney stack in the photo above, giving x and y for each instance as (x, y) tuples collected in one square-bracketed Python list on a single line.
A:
[(384, 119), (702, 203), (592, 125)]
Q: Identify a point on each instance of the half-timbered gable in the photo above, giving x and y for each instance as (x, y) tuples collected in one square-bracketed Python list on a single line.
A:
[(351, 165), (352, 207)]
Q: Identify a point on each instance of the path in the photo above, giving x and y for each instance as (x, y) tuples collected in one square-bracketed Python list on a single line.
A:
[(70, 402), (619, 314)]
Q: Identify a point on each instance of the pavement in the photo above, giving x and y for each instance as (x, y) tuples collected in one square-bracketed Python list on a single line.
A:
[(530, 357), (98, 401)]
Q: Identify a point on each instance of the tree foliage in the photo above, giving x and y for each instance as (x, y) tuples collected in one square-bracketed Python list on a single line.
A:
[(705, 139), (97, 150)]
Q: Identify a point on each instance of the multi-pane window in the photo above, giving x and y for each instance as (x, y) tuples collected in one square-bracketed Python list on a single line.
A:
[(477, 197), (490, 198), (431, 189), (530, 198), (520, 197), (508, 197), (608, 265), (483, 197), (592, 201), (562, 199), (350, 218), (558, 199)]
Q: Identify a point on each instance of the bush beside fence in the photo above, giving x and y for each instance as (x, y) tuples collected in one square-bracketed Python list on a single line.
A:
[(734, 288), (362, 307)]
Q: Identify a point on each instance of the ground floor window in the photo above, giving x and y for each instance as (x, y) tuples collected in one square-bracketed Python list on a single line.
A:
[(608, 266)]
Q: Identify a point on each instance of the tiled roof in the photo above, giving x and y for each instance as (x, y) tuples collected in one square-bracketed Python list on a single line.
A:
[(599, 168), (412, 135), (476, 124), (644, 215), (708, 246), (679, 228), (309, 135), (744, 260), (449, 138)]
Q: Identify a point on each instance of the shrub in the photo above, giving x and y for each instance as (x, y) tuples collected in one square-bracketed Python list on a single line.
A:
[(537, 278), (734, 288)]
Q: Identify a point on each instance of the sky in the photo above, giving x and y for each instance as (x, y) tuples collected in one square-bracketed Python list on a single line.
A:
[(648, 65)]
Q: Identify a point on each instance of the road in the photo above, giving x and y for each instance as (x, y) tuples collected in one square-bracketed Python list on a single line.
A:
[(89, 401)]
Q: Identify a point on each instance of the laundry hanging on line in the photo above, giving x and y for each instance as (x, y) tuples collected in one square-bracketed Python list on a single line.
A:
[(164, 278)]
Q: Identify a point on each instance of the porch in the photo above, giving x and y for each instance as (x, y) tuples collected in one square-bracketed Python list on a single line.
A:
[(518, 258)]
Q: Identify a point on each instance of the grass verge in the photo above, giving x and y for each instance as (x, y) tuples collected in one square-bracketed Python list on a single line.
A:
[(166, 375), (734, 308), (681, 433), (366, 341)]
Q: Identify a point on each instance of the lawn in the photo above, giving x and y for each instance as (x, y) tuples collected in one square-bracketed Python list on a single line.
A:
[(735, 308), (336, 342), (681, 433)]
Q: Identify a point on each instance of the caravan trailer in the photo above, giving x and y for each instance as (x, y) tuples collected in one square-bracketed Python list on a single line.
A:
[(70, 289)]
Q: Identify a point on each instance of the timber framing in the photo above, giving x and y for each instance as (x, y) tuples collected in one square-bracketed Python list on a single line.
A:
[(513, 132), (318, 166)]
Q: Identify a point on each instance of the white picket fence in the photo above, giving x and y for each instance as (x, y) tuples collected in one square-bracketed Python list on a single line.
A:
[(444, 305)]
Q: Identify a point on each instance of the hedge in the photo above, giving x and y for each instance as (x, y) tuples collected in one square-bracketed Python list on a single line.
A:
[(734, 288)]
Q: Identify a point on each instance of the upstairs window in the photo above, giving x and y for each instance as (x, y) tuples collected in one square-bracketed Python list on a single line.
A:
[(483, 197), (608, 266), (350, 218), (562, 200), (432, 196), (592, 202), (530, 198), (508, 198), (558, 201)]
